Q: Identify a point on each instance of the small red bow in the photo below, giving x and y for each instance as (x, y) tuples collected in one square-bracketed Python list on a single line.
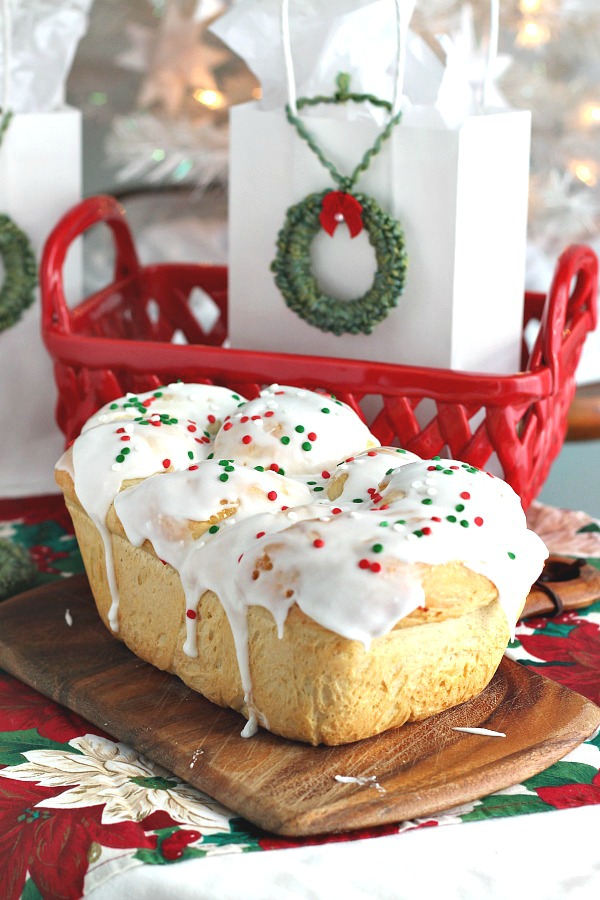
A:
[(340, 207)]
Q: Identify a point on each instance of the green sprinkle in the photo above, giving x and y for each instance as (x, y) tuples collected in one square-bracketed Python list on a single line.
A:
[(319, 489), (126, 450), (512, 555), (427, 501), (236, 396), (114, 406), (230, 468), (120, 458), (299, 429), (213, 529), (325, 410), (383, 524), (464, 523), (311, 482), (285, 439), (451, 518), (459, 507), (377, 548), (389, 471), (259, 468), (306, 446), (158, 394), (400, 522), (210, 456), (448, 472), (418, 533), (190, 454), (224, 476), (357, 500)]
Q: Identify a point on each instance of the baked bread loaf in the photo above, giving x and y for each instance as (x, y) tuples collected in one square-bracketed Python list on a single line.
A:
[(279, 561)]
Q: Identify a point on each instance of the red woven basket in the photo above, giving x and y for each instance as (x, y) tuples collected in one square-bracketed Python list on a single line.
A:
[(120, 339)]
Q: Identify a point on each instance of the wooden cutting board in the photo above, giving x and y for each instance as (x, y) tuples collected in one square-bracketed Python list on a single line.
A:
[(284, 786)]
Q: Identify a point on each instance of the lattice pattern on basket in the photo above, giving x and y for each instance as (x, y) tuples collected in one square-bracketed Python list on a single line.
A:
[(120, 339)]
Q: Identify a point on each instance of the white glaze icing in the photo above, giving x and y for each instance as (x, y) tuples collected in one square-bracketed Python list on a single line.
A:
[(326, 555), (300, 431)]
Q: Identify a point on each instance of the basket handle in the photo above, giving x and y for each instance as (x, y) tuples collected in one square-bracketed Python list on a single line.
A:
[(92, 211), (572, 304)]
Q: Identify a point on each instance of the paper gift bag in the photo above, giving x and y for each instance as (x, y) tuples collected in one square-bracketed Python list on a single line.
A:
[(40, 179), (459, 190)]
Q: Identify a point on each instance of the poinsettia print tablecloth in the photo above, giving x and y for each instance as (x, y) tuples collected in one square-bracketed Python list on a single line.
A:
[(77, 808)]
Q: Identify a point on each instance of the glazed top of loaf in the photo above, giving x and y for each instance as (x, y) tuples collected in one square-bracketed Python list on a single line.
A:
[(289, 499)]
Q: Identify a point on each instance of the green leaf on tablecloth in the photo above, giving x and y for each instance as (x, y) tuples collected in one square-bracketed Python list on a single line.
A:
[(593, 526), (30, 891), (595, 741), (562, 773), (498, 805), (13, 744)]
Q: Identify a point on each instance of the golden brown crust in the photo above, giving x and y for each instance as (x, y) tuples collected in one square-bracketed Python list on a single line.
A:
[(311, 685)]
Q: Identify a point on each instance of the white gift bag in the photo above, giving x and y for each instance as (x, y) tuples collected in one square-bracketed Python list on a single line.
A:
[(459, 190), (40, 179)]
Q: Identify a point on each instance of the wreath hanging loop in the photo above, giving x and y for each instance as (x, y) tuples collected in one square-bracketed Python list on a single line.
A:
[(292, 264)]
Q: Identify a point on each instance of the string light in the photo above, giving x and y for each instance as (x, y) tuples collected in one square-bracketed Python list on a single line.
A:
[(532, 33), (530, 6), (210, 98), (585, 170), (590, 113)]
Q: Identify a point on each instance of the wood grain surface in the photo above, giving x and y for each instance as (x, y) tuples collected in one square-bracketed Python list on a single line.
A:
[(280, 785)]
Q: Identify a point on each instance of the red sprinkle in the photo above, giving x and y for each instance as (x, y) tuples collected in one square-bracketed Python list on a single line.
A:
[(246, 439), (431, 468), (166, 463), (283, 508), (191, 614), (371, 453), (120, 431), (260, 534), (465, 495), (318, 543), (426, 530), (254, 418), (325, 474), (336, 510), (269, 413), (311, 436), (350, 459), (192, 428), (148, 402), (211, 419), (227, 426), (435, 519), (375, 567), (272, 495), (478, 521), (364, 564), (192, 468), (274, 467), (244, 419), (125, 437)]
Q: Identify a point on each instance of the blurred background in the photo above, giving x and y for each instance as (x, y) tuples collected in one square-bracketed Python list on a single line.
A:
[(155, 85)]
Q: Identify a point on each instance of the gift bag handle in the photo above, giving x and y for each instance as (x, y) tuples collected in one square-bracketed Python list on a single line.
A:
[(404, 13)]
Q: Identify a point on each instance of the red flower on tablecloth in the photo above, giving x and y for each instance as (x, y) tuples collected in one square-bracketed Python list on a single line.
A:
[(37, 511), (44, 557), (568, 796), (22, 709), (53, 845), (272, 842), (573, 658)]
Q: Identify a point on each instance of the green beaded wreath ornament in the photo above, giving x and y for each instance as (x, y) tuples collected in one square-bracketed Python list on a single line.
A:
[(292, 264), (19, 263)]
